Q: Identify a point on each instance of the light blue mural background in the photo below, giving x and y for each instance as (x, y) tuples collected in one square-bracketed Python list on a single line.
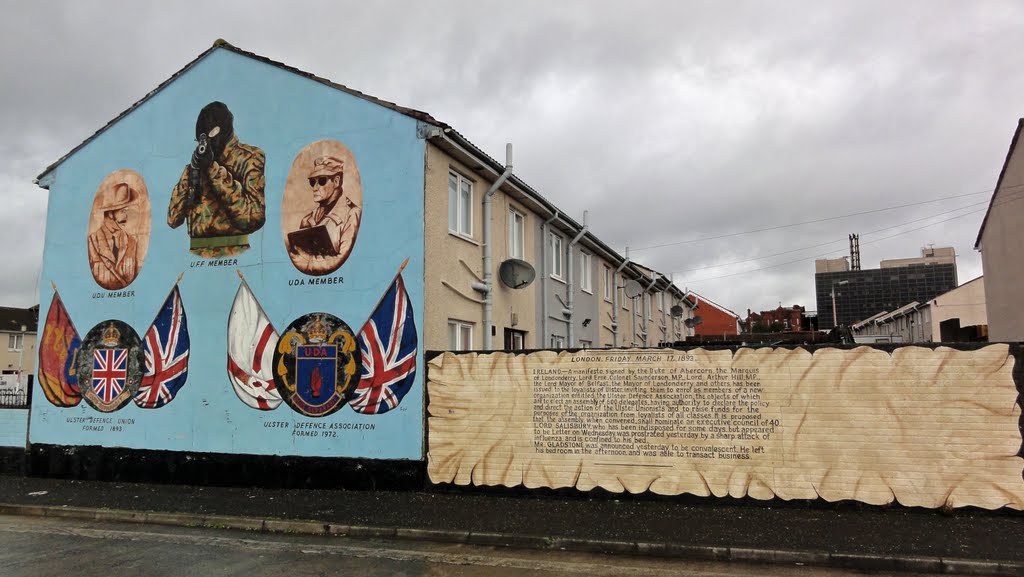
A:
[(280, 112)]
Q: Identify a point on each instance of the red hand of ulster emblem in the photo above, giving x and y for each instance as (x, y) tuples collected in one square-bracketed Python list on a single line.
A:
[(316, 381)]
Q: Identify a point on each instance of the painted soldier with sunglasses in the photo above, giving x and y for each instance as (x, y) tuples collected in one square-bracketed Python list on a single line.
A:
[(220, 192), (335, 211)]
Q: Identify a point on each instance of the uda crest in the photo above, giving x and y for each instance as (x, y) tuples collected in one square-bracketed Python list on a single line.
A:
[(110, 365), (316, 364)]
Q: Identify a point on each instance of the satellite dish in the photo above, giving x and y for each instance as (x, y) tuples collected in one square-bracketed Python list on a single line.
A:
[(690, 323), (633, 289), (516, 273), (676, 310)]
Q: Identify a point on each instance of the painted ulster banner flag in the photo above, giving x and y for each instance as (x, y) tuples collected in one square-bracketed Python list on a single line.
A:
[(166, 346), (388, 344), (251, 344), (57, 351)]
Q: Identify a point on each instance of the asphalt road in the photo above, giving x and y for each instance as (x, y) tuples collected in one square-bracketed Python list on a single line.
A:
[(32, 546)]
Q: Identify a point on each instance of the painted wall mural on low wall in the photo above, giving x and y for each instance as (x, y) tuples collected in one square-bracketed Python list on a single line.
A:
[(271, 302), (919, 426)]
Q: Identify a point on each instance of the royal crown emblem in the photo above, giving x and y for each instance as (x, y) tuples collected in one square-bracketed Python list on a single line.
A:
[(316, 364), (316, 330), (110, 337)]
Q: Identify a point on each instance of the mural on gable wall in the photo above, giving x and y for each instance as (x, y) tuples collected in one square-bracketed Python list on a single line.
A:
[(111, 364), (119, 229), (319, 364), (342, 312), (322, 207), (58, 352), (220, 192)]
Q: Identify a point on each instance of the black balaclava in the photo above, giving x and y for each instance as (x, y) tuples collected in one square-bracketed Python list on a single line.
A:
[(216, 114)]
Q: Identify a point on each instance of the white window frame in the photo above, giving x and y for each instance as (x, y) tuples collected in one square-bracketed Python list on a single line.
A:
[(586, 272), (16, 342), (649, 306), (557, 342), (516, 224), (556, 248), (458, 331), (463, 205), (586, 344), (609, 283)]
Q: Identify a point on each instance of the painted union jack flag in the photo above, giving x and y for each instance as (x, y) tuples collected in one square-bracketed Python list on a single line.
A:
[(109, 371), (388, 344), (166, 347)]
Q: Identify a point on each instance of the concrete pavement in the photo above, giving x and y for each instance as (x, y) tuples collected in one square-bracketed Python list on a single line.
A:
[(844, 535)]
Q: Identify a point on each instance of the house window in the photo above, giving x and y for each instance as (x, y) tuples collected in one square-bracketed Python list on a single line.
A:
[(515, 340), (516, 234), (586, 273), (555, 243), (460, 336), (557, 342), (648, 306), (460, 205), (15, 342), (586, 344), (608, 284)]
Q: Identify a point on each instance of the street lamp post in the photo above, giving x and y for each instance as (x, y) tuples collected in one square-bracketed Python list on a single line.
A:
[(835, 321)]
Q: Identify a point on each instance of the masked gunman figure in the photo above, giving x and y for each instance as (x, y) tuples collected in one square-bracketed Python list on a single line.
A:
[(113, 251), (220, 192)]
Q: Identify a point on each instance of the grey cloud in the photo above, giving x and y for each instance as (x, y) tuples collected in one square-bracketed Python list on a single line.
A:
[(665, 120)]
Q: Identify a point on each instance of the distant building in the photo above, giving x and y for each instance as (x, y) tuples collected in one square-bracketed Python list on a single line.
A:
[(715, 320), (956, 316), (18, 340), (782, 319), (860, 294), (1001, 243)]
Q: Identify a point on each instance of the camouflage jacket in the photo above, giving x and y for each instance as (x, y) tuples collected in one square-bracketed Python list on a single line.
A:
[(230, 200)]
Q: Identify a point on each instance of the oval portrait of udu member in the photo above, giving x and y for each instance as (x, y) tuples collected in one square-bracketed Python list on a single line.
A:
[(119, 229), (322, 207)]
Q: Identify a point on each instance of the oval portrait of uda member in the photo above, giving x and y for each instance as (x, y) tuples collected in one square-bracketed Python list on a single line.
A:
[(119, 229), (322, 207)]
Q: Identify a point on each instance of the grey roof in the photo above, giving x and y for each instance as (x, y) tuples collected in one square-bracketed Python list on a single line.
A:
[(12, 319)]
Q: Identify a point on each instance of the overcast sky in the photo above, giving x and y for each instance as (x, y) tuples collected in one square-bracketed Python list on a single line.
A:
[(669, 121)]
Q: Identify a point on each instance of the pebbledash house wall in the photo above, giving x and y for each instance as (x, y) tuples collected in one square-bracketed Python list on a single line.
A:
[(1001, 242), (281, 112), (455, 262)]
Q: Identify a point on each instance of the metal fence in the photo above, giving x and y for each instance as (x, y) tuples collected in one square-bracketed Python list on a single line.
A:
[(14, 399)]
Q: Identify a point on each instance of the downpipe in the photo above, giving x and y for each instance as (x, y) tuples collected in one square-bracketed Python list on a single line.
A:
[(615, 300), (487, 287), (570, 297), (544, 274)]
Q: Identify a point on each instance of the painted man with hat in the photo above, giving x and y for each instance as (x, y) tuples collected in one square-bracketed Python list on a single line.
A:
[(336, 211), (220, 192), (113, 251)]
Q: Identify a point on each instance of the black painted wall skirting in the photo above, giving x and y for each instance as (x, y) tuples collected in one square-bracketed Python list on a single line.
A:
[(222, 469), (13, 461)]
